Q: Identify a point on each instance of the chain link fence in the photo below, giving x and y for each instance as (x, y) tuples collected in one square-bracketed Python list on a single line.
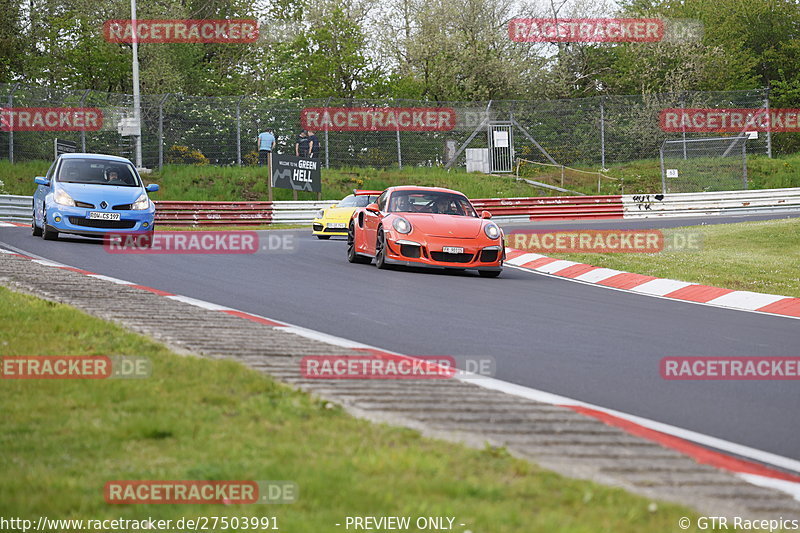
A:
[(704, 165), (589, 132)]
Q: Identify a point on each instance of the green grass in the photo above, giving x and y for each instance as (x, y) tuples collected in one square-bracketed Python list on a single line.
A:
[(752, 256), (186, 182), (213, 420), (644, 176)]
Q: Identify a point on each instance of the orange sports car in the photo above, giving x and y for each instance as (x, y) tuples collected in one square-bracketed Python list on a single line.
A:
[(425, 226)]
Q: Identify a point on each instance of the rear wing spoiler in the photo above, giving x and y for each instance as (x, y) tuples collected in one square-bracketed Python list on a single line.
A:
[(363, 192)]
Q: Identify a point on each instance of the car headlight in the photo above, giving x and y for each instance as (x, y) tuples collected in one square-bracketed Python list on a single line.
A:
[(491, 231), (320, 213), (143, 202), (402, 225), (61, 197)]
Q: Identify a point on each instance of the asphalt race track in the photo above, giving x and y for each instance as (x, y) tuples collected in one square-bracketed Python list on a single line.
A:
[(589, 343)]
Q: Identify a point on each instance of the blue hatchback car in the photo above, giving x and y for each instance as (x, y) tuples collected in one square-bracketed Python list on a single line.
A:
[(92, 194)]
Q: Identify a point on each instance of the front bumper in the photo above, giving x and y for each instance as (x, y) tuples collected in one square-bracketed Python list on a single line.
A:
[(480, 255), (67, 219), (320, 227)]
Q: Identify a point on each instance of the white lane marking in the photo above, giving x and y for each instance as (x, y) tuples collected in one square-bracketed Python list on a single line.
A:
[(772, 483), (686, 434), (661, 286), (524, 258), (554, 399), (6, 225), (199, 303), (746, 300), (555, 266), (598, 274), (45, 262), (112, 280), (323, 337), (668, 298)]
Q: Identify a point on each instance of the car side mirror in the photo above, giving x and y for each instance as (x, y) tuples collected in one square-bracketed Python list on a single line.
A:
[(153, 187), (486, 214), (373, 208), (41, 180)]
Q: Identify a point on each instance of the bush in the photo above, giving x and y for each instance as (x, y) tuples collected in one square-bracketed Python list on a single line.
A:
[(185, 155)]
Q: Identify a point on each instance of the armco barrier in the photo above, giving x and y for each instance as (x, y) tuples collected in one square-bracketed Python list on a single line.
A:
[(237, 213), (759, 201), (552, 207), (16, 208)]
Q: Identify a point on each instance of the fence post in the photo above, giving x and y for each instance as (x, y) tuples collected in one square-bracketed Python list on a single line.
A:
[(562, 176), (769, 125), (325, 110), (399, 153), (744, 162), (161, 131), (239, 131), (11, 130), (83, 132), (602, 133), (683, 125)]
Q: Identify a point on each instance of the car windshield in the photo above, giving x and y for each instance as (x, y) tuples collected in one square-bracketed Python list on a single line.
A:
[(443, 203), (98, 172), (362, 200)]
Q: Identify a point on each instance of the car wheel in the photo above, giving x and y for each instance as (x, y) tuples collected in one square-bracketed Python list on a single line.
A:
[(48, 233), (36, 231), (323, 237), (352, 256), (489, 273), (380, 250)]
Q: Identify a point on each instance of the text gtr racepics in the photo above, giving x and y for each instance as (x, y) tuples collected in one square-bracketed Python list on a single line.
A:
[(92, 194), (428, 227)]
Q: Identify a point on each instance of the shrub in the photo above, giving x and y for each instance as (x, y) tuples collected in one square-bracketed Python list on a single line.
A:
[(185, 155)]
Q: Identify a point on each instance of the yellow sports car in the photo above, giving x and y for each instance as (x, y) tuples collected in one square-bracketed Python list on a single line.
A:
[(334, 219)]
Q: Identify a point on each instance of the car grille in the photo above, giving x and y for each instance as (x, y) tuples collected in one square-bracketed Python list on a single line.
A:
[(334, 230), (489, 256), (84, 205), (105, 224), (409, 250), (123, 207), (451, 258), (316, 227)]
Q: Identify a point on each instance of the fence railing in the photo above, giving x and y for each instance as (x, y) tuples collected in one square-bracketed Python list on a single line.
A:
[(761, 201), (596, 131), (16, 208), (764, 201)]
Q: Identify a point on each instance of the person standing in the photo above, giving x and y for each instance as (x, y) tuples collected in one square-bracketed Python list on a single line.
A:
[(313, 145), (266, 142), (301, 144)]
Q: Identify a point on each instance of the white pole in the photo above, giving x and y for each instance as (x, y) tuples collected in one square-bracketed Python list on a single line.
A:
[(137, 114)]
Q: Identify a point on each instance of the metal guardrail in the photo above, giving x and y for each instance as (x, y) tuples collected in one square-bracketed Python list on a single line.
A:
[(759, 201), (552, 207), (763, 201), (16, 208)]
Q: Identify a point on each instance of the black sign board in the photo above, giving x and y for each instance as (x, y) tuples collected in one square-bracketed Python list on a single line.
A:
[(296, 173), (64, 147)]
